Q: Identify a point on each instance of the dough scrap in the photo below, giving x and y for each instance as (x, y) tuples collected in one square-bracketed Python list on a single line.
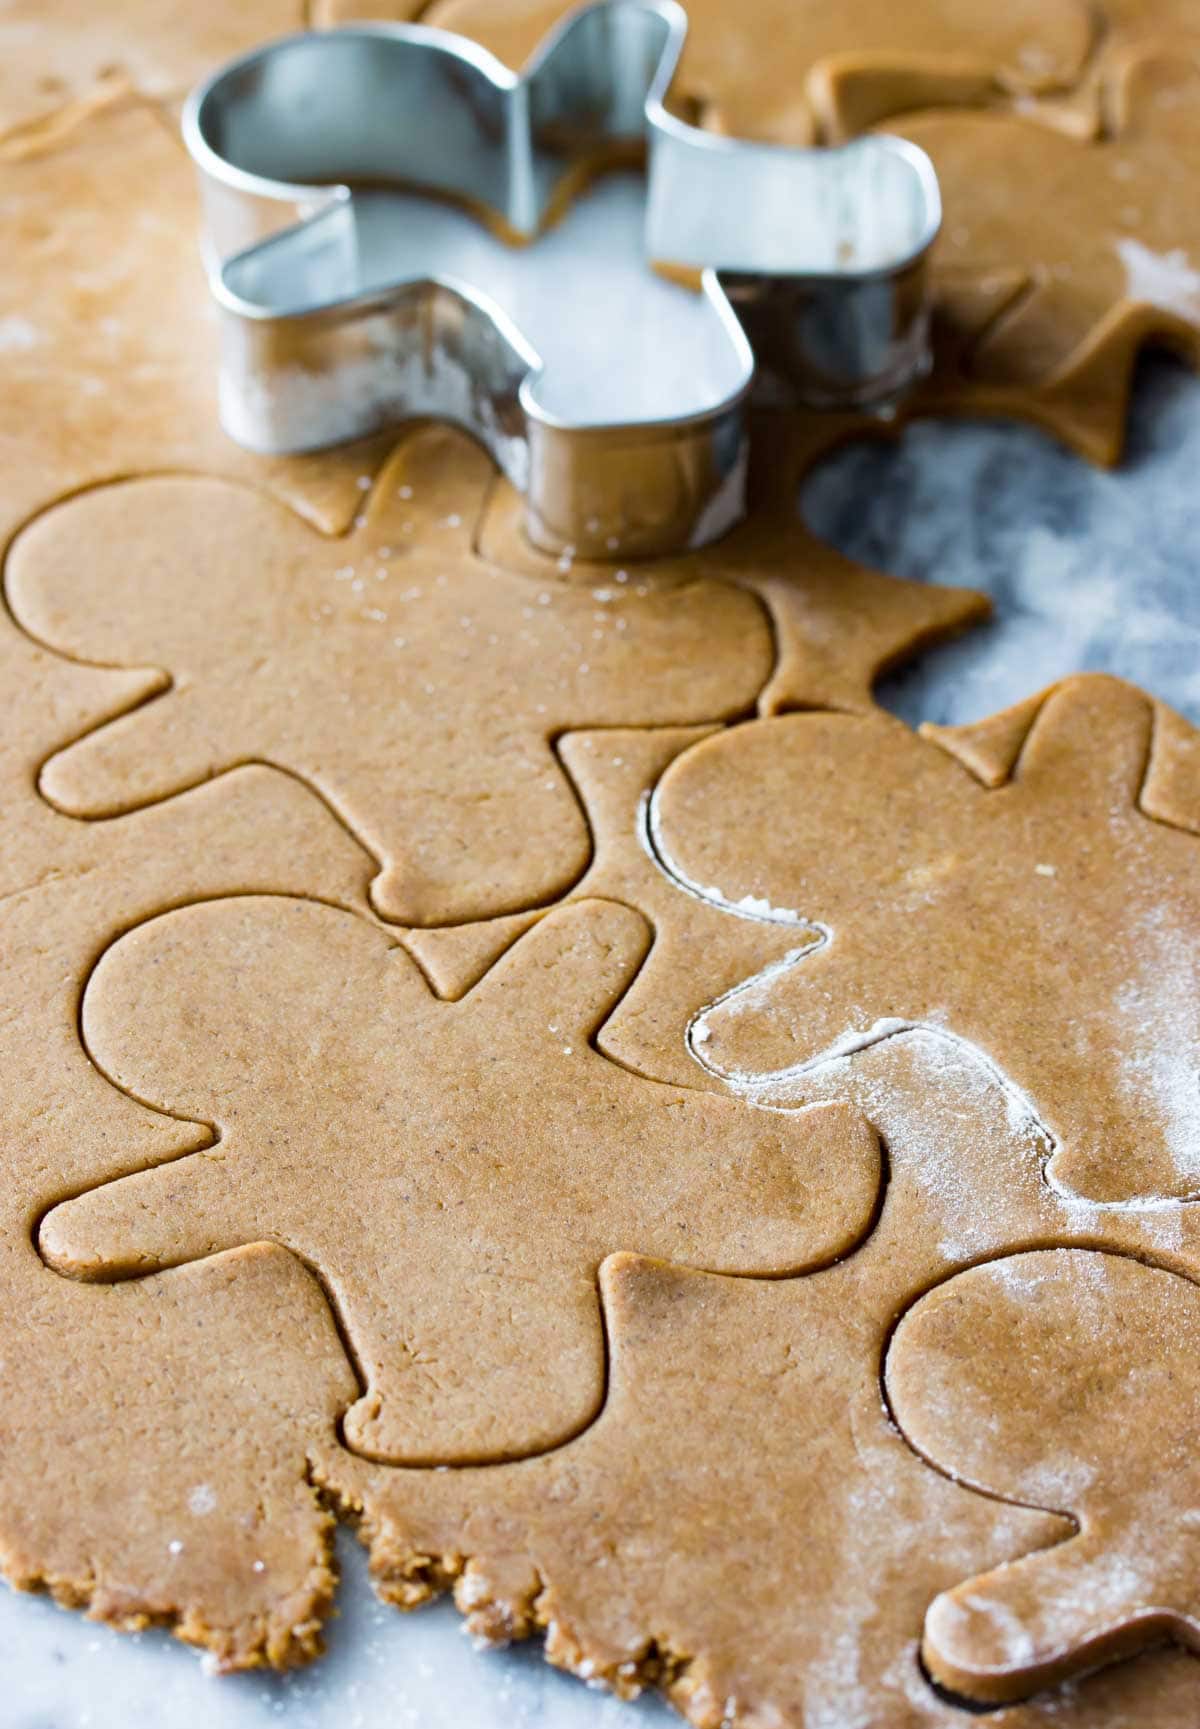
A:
[(1099, 262), (1051, 921), (372, 666), (718, 1454), (156, 1436), (838, 625), (740, 1503), (1067, 1379), (742, 1414), (136, 393), (55, 53), (472, 1194), (750, 69)]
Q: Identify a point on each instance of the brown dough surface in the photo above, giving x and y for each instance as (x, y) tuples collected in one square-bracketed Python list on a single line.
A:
[(1070, 1380), (373, 666), (155, 1436), (748, 67), (838, 625), (721, 1505), (1050, 916), (1045, 299), (744, 1437), (742, 1441), (56, 52), (109, 346), (487, 1158), (613, 773), (737, 1526)]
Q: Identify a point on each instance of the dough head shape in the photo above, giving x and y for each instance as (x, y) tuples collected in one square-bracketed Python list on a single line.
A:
[(455, 1172), (415, 688), (1063, 1379), (1030, 885), (1046, 297), (778, 69)]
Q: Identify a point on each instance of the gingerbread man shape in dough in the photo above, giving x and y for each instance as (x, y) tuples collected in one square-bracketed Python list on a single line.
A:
[(1049, 916), (454, 1171), (415, 688), (1070, 1380)]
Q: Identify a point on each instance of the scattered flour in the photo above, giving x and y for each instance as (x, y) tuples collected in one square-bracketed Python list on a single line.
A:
[(749, 906), (1163, 279), (18, 335)]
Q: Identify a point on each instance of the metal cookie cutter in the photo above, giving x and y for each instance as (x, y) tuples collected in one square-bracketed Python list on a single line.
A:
[(611, 396)]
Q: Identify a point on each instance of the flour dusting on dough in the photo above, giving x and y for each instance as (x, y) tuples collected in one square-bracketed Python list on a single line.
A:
[(1158, 1013), (749, 906), (18, 335), (1163, 279)]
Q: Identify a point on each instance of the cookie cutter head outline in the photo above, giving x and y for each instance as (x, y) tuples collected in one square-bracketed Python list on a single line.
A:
[(823, 253)]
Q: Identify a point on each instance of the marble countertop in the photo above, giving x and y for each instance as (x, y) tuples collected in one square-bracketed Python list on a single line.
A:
[(1088, 570)]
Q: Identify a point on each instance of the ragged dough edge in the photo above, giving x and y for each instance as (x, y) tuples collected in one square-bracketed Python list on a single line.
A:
[(496, 1615), (286, 1637)]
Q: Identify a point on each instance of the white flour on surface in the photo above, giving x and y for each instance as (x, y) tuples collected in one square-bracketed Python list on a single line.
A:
[(1163, 279)]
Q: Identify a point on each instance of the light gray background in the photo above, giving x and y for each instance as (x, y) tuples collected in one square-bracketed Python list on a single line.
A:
[(1088, 570)]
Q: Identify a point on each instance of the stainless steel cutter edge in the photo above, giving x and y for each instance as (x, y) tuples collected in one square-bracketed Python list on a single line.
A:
[(279, 136)]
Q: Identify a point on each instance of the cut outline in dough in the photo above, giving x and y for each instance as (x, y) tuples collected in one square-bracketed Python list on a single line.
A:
[(1165, 794), (804, 1246), (670, 611), (1126, 1634)]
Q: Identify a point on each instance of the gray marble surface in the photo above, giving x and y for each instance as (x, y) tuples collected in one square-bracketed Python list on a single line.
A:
[(1087, 570)]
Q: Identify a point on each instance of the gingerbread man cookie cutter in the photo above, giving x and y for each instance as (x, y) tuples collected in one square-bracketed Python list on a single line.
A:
[(347, 304)]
